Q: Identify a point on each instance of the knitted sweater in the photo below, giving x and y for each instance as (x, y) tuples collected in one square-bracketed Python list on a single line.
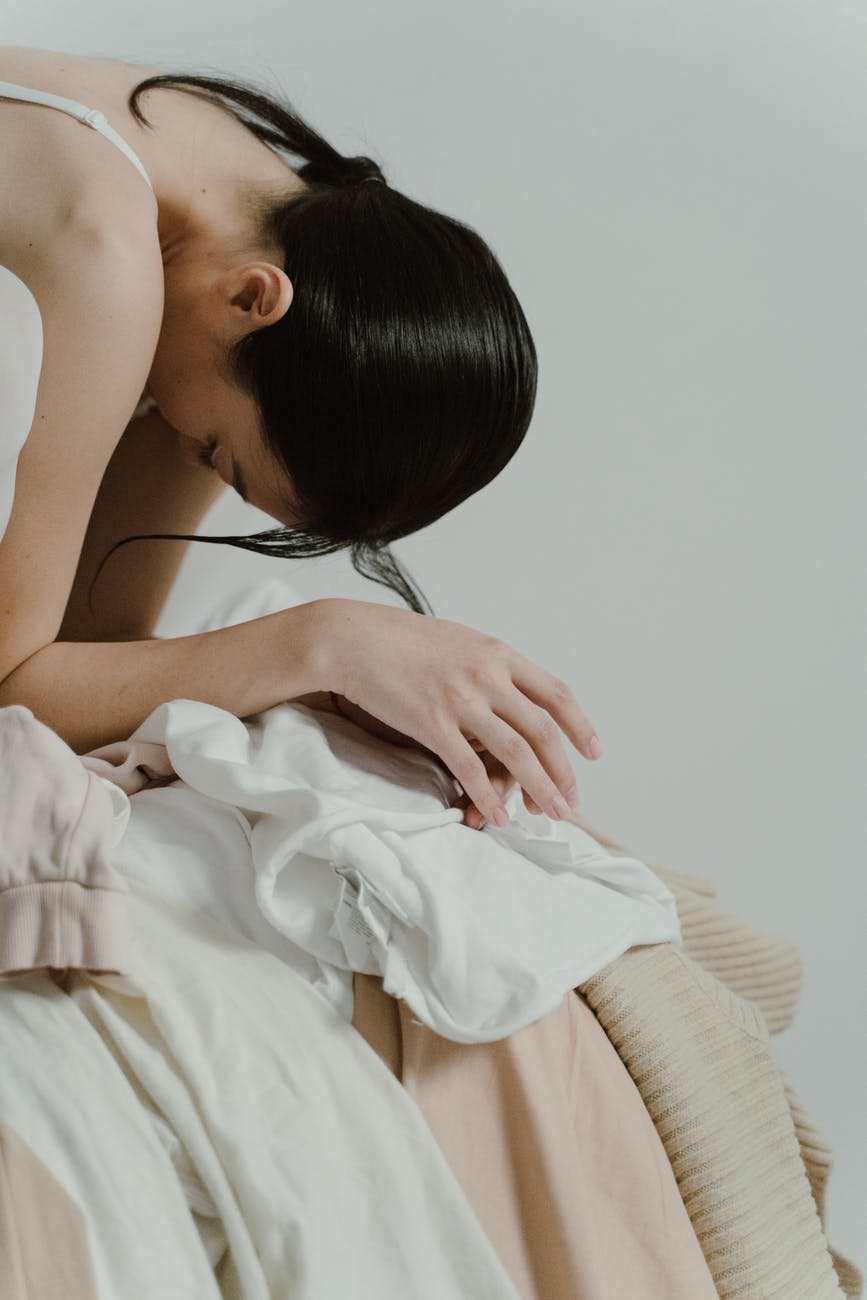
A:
[(693, 1027)]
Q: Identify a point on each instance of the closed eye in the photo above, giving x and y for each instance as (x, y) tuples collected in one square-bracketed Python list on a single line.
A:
[(205, 456)]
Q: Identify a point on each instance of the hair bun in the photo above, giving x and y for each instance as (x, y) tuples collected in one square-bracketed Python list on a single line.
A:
[(360, 169), (341, 172)]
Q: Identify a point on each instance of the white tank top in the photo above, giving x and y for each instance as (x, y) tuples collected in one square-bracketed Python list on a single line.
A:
[(89, 116), (21, 334)]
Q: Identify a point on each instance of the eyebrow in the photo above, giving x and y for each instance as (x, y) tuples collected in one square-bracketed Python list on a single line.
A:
[(238, 482)]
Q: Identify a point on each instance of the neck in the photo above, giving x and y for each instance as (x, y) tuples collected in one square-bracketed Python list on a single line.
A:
[(206, 168), (213, 216)]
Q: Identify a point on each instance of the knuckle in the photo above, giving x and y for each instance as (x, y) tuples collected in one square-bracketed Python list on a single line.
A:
[(461, 690), (561, 692), (515, 747), (545, 729), (481, 673), (433, 724)]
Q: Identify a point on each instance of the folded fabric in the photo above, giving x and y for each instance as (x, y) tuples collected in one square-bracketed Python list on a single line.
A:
[(225, 1133), (62, 902), (356, 855)]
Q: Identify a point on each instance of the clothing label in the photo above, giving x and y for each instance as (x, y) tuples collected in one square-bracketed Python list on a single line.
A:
[(358, 939)]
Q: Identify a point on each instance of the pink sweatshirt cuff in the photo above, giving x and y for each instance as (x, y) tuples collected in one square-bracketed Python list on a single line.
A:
[(63, 903), (60, 924)]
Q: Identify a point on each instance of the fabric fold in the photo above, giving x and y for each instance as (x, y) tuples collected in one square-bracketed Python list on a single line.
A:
[(62, 901), (361, 860)]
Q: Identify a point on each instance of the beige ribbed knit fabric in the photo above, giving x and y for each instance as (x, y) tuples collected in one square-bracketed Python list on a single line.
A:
[(693, 1028)]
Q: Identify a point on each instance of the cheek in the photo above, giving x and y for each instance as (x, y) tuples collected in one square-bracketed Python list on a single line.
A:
[(182, 386)]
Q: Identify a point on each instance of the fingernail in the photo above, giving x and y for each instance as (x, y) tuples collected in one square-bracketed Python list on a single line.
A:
[(572, 797), (560, 806), (501, 817), (595, 748)]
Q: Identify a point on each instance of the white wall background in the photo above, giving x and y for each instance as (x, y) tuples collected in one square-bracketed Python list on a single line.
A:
[(678, 192)]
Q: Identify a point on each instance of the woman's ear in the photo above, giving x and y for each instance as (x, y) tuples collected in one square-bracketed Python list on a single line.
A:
[(261, 292)]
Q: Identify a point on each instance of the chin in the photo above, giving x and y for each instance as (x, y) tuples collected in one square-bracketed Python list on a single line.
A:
[(171, 408), (174, 414)]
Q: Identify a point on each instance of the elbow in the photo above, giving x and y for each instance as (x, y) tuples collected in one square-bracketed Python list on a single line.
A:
[(10, 678)]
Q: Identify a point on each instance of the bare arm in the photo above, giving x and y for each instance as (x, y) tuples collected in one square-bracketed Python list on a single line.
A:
[(93, 693), (101, 307)]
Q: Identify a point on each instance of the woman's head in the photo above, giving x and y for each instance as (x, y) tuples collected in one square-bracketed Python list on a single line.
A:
[(215, 296), (388, 362)]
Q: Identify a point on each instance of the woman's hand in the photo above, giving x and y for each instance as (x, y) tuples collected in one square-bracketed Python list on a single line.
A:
[(368, 722), (461, 694), (501, 780)]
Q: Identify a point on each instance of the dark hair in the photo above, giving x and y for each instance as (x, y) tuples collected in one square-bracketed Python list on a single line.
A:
[(402, 378)]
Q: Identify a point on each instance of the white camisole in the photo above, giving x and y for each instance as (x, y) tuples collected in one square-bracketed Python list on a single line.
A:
[(21, 334)]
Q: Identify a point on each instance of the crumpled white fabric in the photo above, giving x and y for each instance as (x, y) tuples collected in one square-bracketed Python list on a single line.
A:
[(226, 1135), (355, 860), (21, 349)]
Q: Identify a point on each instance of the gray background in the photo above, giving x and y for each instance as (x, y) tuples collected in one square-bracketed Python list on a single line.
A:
[(678, 192)]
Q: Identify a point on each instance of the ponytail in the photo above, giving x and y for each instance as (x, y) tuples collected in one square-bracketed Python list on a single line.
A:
[(278, 124)]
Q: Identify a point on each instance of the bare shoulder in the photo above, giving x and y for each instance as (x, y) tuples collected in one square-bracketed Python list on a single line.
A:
[(63, 69), (72, 75), (52, 168)]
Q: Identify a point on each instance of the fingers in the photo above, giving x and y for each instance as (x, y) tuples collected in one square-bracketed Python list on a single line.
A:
[(517, 717), (475, 819), (556, 697), (501, 780), (466, 765), (529, 745)]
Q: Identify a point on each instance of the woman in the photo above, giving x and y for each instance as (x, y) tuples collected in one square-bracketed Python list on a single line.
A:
[(353, 363)]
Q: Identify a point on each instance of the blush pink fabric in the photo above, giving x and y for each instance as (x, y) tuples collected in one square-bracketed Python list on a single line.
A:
[(62, 903), (553, 1145)]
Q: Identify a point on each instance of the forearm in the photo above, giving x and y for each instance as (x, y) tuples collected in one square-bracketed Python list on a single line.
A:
[(93, 692)]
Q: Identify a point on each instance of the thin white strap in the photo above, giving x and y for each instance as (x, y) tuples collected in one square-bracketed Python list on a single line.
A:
[(90, 116), (99, 121)]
